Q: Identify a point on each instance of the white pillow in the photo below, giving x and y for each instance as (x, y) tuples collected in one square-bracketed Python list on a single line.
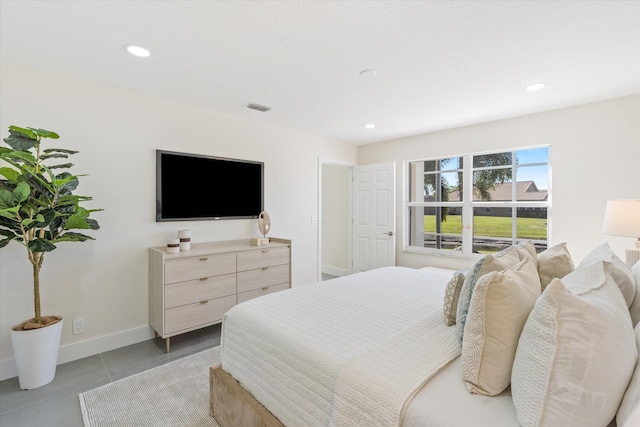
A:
[(622, 274), (634, 308), (500, 305), (488, 263), (554, 263), (631, 399), (576, 353)]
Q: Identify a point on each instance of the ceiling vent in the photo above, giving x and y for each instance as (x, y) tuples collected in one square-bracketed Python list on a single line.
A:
[(258, 107)]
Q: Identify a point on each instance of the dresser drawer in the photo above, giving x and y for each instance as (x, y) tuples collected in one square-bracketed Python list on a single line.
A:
[(251, 260), (184, 269), (183, 293), (265, 276), (193, 315), (245, 296)]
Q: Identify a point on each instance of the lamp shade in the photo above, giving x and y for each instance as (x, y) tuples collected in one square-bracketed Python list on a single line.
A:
[(622, 218)]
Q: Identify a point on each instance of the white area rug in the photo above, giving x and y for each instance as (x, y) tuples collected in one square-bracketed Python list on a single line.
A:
[(173, 394)]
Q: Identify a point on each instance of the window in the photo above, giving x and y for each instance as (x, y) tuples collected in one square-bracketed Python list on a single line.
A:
[(479, 203)]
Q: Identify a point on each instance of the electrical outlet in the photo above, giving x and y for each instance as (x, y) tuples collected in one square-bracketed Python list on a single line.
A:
[(78, 326)]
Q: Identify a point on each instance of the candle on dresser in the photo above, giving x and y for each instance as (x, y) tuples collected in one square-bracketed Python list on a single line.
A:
[(173, 245), (185, 240)]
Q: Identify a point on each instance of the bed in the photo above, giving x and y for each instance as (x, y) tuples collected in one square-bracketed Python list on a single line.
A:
[(370, 349)]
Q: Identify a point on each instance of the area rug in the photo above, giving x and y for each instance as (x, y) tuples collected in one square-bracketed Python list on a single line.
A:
[(173, 394)]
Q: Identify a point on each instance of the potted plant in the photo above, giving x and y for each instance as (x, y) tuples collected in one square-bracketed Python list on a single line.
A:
[(38, 210)]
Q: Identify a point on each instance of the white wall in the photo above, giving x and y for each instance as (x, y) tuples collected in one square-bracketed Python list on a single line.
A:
[(105, 281), (335, 219), (595, 156)]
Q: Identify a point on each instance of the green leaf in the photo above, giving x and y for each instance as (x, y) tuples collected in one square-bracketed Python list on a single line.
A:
[(60, 150), (53, 156), (41, 245), (21, 139), (9, 213), (21, 192), (43, 133), (27, 222), (20, 142), (6, 199), (73, 237), (77, 222), (5, 242), (11, 174), (21, 155), (64, 165), (93, 224)]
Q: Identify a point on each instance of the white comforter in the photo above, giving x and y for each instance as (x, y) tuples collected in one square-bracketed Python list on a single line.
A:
[(351, 351)]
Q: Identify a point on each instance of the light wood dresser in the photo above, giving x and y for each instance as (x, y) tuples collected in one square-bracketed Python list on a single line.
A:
[(194, 289)]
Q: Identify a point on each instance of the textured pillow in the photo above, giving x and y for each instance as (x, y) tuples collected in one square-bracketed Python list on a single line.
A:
[(634, 309), (622, 275), (527, 249), (451, 297), (500, 305), (492, 262), (631, 399), (554, 262), (576, 353)]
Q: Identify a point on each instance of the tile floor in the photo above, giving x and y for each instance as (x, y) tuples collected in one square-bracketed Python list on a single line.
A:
[(56, 404)]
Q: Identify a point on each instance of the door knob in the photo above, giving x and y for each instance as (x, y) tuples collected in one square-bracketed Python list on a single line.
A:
[(389, 233)]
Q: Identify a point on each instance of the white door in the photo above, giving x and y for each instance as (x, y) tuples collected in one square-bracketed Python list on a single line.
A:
[(374, 238)]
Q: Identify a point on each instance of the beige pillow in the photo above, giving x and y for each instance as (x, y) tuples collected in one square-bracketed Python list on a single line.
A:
[(492, 262), (527, 249), (554, 263), (576, 353), (500, 305), (451, 297), (631, 399)]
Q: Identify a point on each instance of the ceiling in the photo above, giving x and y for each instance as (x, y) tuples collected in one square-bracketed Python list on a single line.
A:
[(438, 64)]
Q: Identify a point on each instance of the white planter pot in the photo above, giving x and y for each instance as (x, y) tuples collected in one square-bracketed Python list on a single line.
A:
[(36, 354)]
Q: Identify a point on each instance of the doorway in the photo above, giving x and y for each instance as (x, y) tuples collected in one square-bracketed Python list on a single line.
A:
[(334, 224)]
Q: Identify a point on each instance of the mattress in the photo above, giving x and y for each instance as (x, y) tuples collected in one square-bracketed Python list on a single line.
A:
[(350, 351)]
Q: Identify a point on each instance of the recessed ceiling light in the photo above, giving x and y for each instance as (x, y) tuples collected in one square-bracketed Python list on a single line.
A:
[(369, 126), (535, 86), (138, 51)]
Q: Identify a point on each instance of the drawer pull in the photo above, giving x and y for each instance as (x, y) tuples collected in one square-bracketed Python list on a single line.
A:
[(204, 259), (203, 302), (265, 268), (265, 251), (264, 288), (202, 279)]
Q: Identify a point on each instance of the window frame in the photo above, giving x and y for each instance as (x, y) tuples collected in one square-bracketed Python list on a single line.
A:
[(467, 204)]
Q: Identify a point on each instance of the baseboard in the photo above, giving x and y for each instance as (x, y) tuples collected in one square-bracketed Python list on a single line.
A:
[(82, 349), (334, 271)]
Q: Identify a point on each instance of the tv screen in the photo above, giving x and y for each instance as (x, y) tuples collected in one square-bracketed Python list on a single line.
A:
[(199, 187)]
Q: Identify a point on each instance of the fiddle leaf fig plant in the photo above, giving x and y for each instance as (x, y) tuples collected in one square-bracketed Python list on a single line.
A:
[(37, 206)]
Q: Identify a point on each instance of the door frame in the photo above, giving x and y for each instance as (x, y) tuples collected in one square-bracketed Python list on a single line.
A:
[(350, 165)]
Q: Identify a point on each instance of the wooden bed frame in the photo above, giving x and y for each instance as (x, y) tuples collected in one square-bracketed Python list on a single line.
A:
[(233, 406)]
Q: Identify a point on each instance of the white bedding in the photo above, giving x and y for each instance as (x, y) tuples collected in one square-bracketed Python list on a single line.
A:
[(445, 402), (351, 351)]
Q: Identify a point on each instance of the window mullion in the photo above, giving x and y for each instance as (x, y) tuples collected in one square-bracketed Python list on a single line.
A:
[(467, 205)]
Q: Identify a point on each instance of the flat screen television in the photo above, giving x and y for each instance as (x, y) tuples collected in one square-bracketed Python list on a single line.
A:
[(193, 187)]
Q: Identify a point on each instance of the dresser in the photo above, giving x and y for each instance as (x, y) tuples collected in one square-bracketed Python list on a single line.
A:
[(194, 289)]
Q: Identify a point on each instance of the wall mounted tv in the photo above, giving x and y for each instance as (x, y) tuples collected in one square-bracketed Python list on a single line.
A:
[(197, 187)]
